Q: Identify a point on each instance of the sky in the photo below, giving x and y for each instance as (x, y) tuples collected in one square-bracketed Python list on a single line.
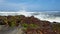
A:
[(16, 5)]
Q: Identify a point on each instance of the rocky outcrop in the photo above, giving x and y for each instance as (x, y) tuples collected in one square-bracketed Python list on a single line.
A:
[(33, 25)]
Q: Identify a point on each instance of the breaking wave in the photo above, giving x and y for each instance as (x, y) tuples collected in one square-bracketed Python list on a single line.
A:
[(46, 15)]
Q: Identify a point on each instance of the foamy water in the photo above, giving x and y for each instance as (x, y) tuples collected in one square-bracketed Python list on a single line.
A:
[(50, 16)]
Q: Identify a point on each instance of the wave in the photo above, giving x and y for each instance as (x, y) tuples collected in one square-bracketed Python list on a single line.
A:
[(46, 15)]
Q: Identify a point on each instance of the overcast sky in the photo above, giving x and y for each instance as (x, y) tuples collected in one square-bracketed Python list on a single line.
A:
[(29, 5)]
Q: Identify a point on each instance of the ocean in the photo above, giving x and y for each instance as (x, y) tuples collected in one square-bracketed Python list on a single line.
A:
[(52, 16)]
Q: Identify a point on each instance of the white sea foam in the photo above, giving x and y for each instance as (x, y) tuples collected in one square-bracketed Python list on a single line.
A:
[(50, 16)]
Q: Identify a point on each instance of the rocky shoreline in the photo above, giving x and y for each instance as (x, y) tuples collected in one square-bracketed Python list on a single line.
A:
[(30, 25)]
